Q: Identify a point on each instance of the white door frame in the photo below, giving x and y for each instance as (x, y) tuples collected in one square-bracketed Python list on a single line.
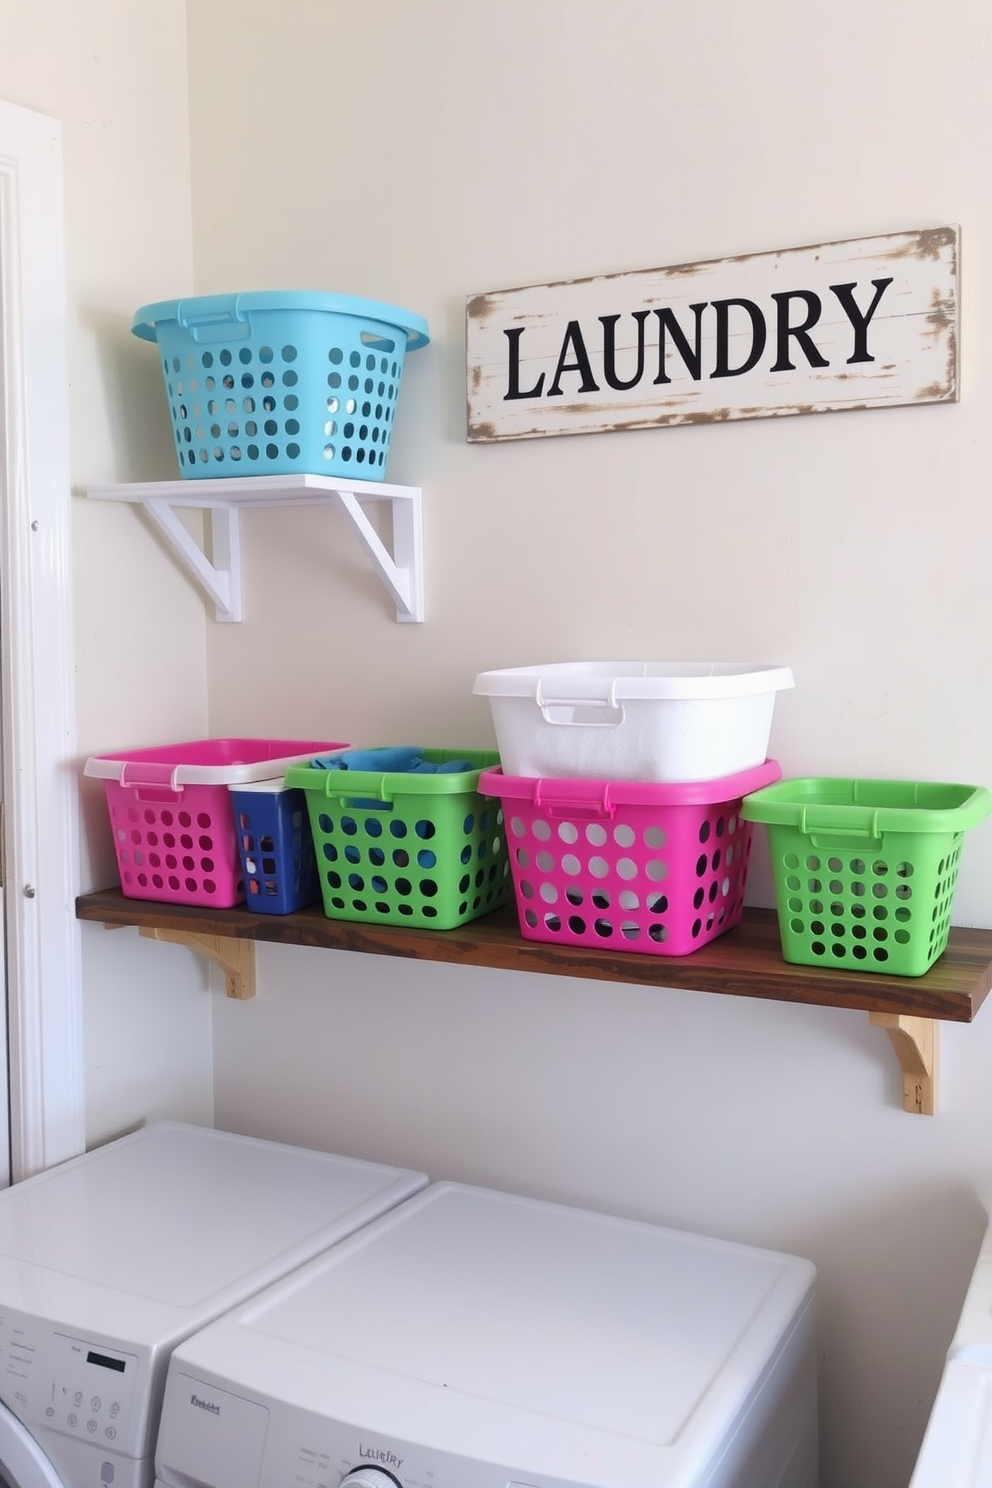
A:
[(39, 764)]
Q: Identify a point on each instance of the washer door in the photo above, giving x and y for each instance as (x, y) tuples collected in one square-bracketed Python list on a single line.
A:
[(22, 1462)]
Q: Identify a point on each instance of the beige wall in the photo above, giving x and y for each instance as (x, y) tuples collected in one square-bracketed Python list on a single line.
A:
[(114, 74), (421, 153)]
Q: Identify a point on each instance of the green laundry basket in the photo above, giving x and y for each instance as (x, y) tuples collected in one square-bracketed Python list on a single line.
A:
[(865, 870), (395, 848)]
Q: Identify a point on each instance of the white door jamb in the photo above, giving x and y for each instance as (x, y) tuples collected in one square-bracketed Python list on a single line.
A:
[(40, 768)]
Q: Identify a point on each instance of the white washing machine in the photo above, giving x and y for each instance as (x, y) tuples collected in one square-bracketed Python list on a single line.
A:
[(109, 1260), (474, 1339), (957, 1444)]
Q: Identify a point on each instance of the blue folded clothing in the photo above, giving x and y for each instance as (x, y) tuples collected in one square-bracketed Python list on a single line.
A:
[(401, 760)]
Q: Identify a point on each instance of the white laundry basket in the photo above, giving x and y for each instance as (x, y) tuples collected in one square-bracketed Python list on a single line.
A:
[(633, 720)]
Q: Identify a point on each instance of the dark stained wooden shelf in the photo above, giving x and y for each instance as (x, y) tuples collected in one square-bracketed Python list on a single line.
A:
[(746, 962)]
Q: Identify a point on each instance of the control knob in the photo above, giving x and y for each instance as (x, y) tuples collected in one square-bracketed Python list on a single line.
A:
[(369, 1477)]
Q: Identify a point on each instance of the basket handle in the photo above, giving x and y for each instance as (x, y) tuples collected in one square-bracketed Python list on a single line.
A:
[(589, 800), (357, 790), (214, 318), (558, 708), (560, 714), (377, 342), (144, 775), (838, 823)]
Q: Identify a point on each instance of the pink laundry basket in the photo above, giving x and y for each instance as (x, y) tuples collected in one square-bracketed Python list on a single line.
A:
[(628, 865), (172, 815)]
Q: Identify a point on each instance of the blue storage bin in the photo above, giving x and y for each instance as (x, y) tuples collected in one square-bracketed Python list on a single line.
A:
[(281, 382), (275, 844)]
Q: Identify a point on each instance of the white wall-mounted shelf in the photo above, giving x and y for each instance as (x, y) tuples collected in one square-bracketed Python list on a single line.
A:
[(402, 571)]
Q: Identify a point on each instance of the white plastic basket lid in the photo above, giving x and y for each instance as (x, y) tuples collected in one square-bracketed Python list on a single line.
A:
[(206, 762), (626, 681)]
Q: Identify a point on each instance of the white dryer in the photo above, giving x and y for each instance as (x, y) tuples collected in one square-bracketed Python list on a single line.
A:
[(475, 1339), (957, 1445), (109, 1260)]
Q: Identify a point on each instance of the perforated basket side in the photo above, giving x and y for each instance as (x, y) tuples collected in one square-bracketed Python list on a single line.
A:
[(276, 851), (434, 861), (304, 392), (661, 880), (881, 906), (176, 846)]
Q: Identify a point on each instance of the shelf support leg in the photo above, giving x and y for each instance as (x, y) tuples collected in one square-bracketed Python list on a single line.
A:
[(402, 572), (222, 578), (915, 1041), (225, 548), (236, 958)]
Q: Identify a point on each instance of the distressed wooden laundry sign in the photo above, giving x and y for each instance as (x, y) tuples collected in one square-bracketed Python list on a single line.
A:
[(866, 323)]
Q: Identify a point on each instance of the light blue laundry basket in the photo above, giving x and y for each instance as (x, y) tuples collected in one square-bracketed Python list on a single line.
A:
[(281, 383)]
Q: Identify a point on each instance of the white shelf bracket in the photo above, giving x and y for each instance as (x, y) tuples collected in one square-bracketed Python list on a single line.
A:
[(221, 578), (402, 571)]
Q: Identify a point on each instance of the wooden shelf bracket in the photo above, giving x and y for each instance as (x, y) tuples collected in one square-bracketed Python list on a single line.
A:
[(236, 958), (916, 1043)]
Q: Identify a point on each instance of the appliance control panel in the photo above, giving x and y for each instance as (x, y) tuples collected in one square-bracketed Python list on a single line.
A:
[(71, 1384), (213, 1436)]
